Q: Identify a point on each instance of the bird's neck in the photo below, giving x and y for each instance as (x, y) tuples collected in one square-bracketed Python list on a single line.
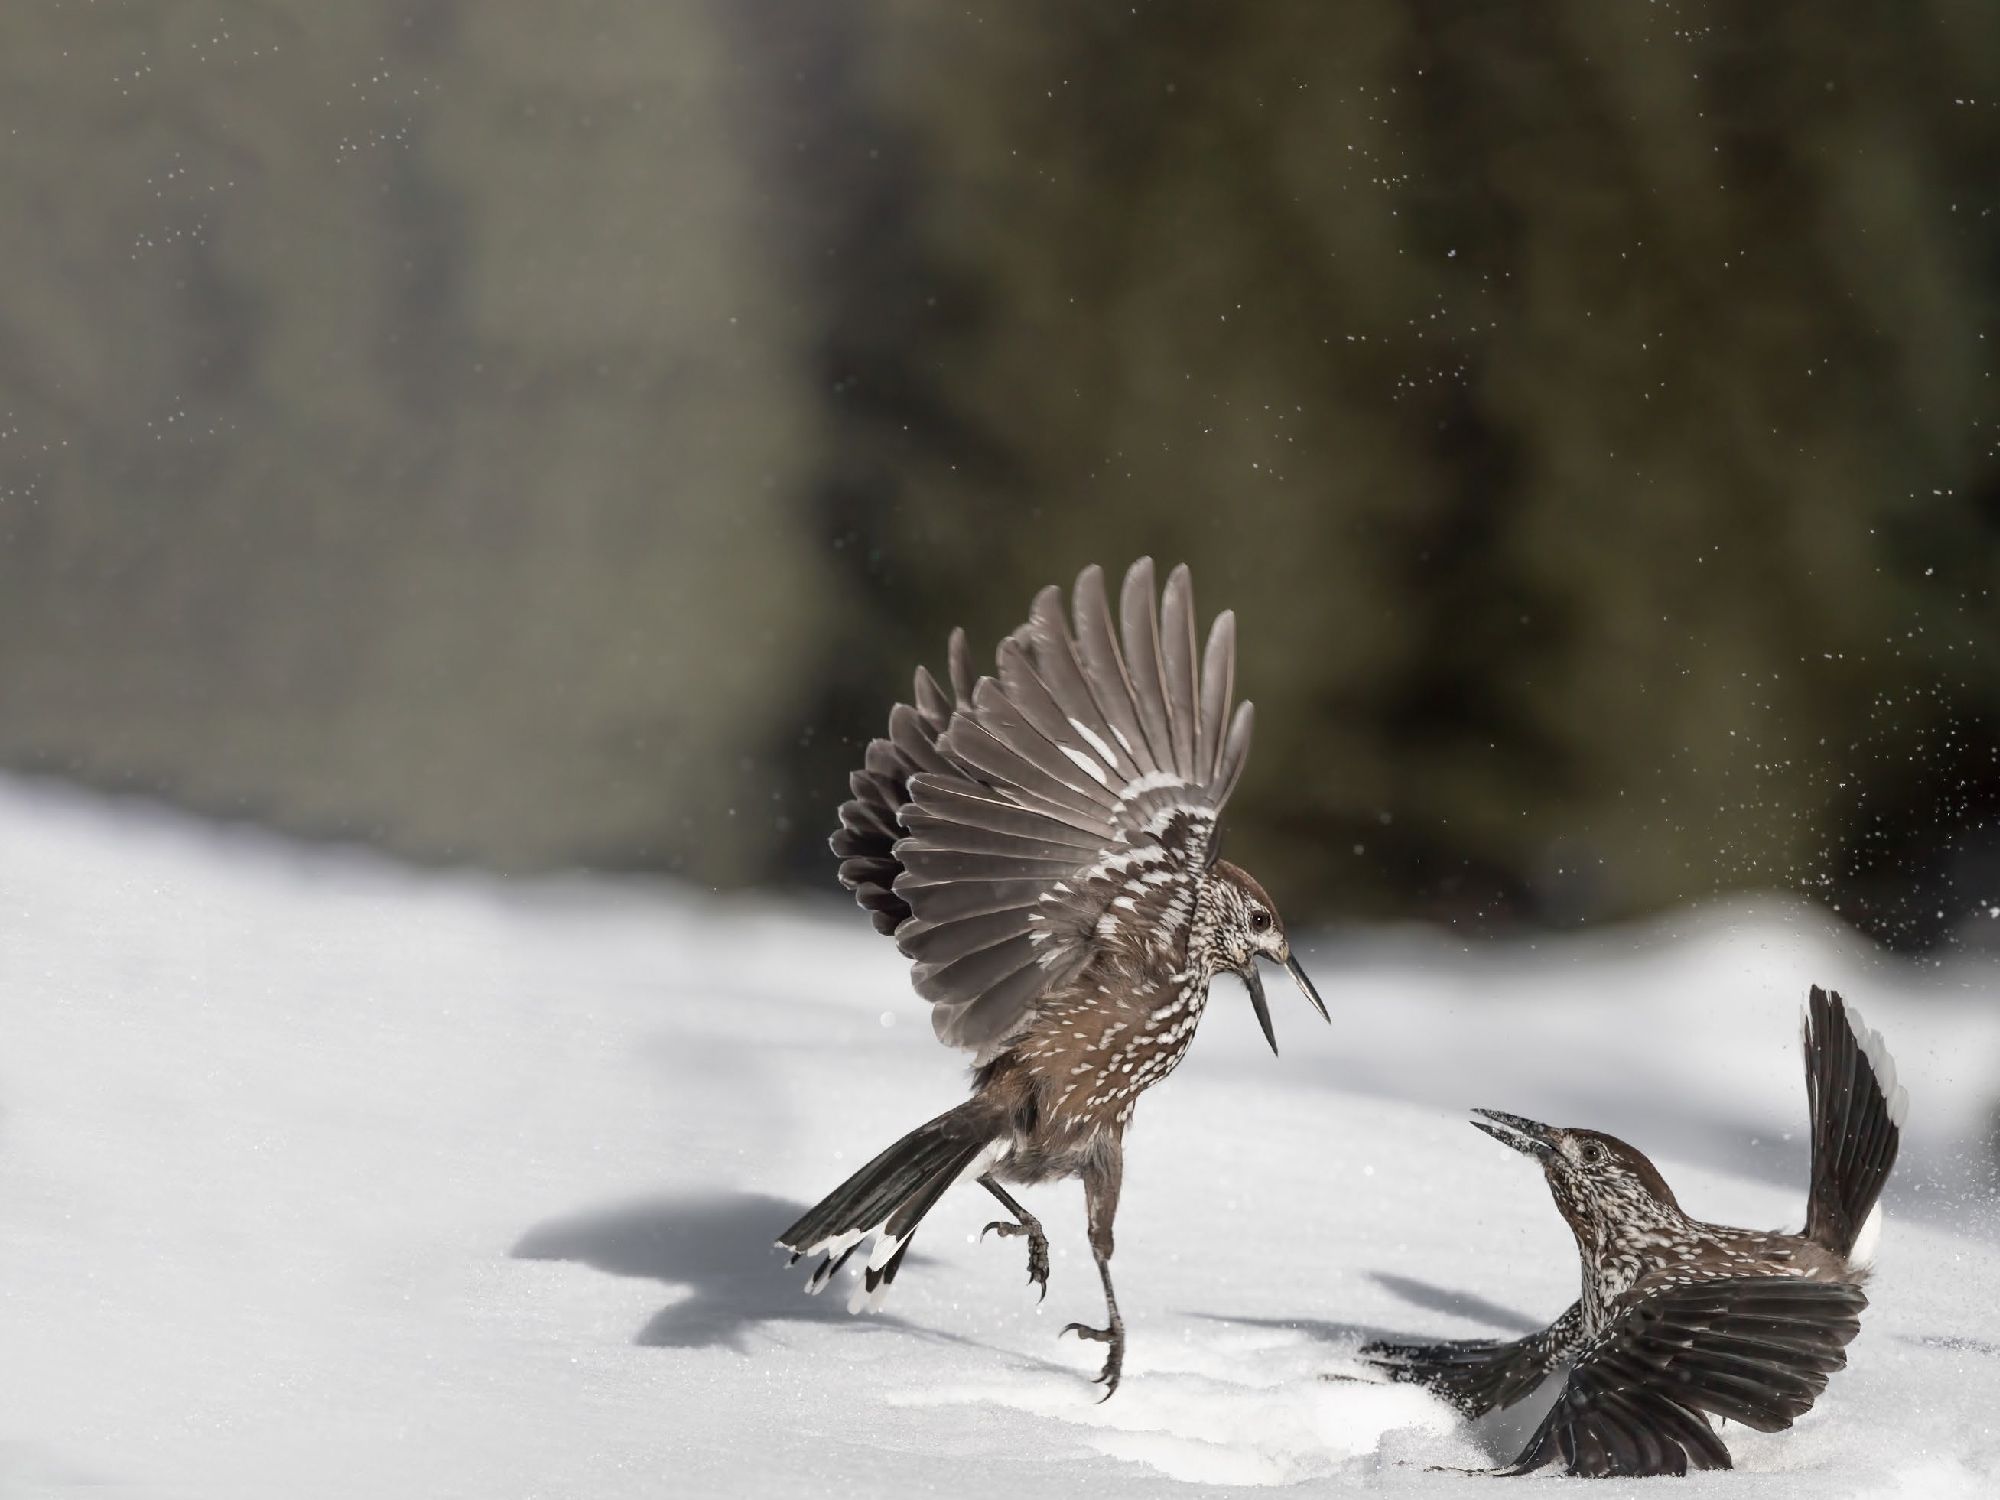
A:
[(1618, 1248), (1206, 954)]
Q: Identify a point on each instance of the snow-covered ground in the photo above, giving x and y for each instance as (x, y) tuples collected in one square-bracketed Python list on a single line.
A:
[(323, 1177)]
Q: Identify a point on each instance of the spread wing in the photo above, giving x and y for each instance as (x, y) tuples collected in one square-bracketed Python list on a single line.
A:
[(871, 821), (1065, 804), (1480, 1375), (1756, 1350)]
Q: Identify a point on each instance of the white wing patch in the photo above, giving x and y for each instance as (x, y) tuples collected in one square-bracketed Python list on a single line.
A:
[(1096, 743), (1123, 860), (1152, 781), (1088, 766), (1165, 817)]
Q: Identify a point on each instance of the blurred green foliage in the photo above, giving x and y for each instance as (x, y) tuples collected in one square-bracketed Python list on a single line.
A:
[(541, 436)]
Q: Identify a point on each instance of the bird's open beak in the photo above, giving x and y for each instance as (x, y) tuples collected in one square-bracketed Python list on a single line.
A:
[(1306, 985), (1253, 981), (1529, 1137)]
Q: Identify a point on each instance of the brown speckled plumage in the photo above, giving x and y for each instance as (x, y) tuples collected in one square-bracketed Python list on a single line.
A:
[(1041, 844), (1680, 1320)]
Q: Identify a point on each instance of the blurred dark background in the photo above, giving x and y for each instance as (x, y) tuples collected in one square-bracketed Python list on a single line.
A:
[(548, 436)]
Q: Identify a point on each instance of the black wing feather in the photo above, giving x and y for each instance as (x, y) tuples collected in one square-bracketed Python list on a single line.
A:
[(870, 824), (1756, 1350), (1481, 1375)]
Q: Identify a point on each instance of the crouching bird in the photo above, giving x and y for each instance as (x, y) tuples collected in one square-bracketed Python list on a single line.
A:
[(1680, 1320), (1042, 845)]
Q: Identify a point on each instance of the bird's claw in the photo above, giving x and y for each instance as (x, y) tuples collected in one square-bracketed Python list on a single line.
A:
[(1114, 1361), (1038, 1250)]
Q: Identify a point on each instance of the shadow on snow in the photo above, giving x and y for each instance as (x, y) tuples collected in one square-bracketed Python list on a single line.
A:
[(1424, 1294), (716, 1244)]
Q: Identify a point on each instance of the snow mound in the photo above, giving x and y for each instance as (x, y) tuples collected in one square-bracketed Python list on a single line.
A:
[(320, 1176)]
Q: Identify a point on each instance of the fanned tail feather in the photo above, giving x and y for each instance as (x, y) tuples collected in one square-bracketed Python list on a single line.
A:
[(886, 1199), (1857, 1110)]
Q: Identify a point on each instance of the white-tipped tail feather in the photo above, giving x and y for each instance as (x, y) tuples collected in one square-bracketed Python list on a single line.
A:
[(870, 1288), (885, 1201), (1897, 1100), (835, 1250), (1862, 1256), (1857, 1109), (1894, 1095)]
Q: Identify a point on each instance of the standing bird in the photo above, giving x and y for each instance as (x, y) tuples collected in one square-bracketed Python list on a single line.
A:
[(1677, 1317), (1043, 848)]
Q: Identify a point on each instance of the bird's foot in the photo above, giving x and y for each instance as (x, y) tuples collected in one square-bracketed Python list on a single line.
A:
[(1038, 1248), (1114, 1361)]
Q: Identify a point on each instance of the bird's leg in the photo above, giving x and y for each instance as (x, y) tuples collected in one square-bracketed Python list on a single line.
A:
[(1100, 1196), (1038, 1243)]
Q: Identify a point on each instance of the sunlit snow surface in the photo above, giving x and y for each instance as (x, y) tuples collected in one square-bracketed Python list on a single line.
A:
[(322, 1177)]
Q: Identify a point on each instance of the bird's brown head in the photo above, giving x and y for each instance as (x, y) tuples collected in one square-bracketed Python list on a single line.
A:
[(1236, 925), (1598, 1181)]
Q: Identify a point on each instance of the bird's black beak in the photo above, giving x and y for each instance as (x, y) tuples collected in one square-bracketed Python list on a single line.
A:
[(1529, 1137), (1305, 984), (1254, 982)]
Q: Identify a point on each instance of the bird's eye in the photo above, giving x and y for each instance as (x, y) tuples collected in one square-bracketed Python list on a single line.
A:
[(1260, 921), (1592, 1153)]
